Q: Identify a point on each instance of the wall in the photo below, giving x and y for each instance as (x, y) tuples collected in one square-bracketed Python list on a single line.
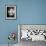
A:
[(28, 12), (33, 12)]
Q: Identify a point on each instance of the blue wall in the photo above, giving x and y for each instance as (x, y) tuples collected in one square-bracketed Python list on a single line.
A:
[(28, 12)]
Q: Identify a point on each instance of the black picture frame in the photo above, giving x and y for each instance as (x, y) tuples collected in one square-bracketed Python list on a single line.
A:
[(10, 12)]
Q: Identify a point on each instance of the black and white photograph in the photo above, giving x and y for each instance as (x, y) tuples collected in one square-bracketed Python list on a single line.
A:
[(10, 11)]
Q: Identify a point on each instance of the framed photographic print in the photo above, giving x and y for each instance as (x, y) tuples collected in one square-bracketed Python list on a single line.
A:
[(10, 12)]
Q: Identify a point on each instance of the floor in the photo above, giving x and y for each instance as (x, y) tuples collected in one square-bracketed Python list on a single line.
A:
[(7, 45), (30, 43)]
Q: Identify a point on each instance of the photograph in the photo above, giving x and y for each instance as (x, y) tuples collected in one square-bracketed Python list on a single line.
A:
[(10, 11)]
